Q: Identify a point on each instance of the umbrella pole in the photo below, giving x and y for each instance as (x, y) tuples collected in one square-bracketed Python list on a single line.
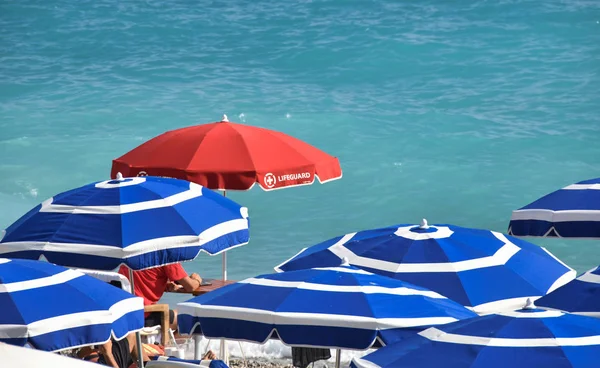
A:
[(338, 356), (138, 336), (223, 345), (224, 265), (224, 254)]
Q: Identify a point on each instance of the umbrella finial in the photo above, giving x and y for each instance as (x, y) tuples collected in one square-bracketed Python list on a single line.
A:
[(529, 304), (424, 224), (119, 176), (224, 118), (345, 262)]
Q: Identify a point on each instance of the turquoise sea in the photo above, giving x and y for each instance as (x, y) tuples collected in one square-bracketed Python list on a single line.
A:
[(454, 111)]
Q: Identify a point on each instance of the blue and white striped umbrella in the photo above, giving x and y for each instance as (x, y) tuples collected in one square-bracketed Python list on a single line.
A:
[(521, 339), (580, 296), (341, 307), (571, 212), (483, 270), (54, 308), (141, 222)]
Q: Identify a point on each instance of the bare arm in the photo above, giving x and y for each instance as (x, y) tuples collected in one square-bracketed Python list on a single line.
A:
[(191, 282), (209, 355), (106, 350), (133, 346)]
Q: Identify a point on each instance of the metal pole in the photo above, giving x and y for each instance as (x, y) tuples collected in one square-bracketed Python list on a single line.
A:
[(138, 336), (223, 346), (224, 265), (338, 357), (197, 348), (224, 254)]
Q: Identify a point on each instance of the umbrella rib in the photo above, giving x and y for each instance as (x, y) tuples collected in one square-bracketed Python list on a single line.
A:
[(284, 141), (203, 137), (249, 154), (175, 133), (51, 240)]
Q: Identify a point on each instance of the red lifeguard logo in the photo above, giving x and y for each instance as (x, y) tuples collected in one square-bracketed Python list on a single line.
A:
[(142, 173), (270, 180)]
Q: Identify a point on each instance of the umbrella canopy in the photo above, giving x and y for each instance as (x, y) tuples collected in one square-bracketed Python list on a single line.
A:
[(141, 222), (571, 212), (340, 307), (54, 308), (484, 270), (580, 296), (13, 356), (226, 155), (521, 339)]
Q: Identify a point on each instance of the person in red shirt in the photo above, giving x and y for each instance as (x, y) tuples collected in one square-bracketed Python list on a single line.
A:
[(152, 283)]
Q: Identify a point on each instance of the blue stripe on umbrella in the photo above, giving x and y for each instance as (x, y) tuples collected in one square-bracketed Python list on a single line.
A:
[(580, 296), (341, 307), (481, 269), (522, 339), (571, 212), (141, 222), (55, 308)]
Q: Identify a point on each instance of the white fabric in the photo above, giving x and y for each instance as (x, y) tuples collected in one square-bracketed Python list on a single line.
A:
[(441, 233), (308, 319), (194, 192), (499, 258), (582, 187), (544, 314), (169, 364), (120, 183), (503, 305), (108, 276), (437, 335), (344, 269), (73, 320), (18, 357), (589, 277), (41, 282), (556, 216), (147, 246), (563, 280), (367, 289)]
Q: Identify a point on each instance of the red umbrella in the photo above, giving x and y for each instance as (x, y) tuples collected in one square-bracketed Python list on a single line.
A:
[(229, 156), (225, 155)]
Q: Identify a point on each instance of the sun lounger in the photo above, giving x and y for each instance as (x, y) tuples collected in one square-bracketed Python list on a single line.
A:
[(121, 281), (170, 362)]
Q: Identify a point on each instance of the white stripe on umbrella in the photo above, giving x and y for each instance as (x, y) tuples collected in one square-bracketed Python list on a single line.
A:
[(366, 289), (503, 255), (308, 319), (143, 247), (73, 320), (436, 335)]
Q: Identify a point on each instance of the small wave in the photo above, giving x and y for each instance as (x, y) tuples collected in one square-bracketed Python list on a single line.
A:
[(19, 141), (29, 190)]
